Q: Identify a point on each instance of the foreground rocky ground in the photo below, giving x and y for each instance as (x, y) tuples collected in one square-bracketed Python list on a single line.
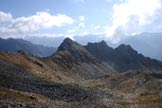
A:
[(134, 89)]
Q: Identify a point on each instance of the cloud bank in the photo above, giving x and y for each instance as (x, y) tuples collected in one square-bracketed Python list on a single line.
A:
[(5, 17), (41, 20), (135, 16)]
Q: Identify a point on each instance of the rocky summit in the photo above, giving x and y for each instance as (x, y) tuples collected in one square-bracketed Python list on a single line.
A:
[(77, 76)]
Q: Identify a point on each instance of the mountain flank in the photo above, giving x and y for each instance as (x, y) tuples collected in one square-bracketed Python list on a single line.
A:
[(123, 58)]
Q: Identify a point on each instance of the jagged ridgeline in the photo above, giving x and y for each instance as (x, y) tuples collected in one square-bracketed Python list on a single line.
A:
[(77, 76)]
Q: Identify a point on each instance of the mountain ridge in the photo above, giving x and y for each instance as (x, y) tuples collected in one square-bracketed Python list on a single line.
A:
[(13, 45), (98, 59), (122, 57), (76, 57), (149, 44)]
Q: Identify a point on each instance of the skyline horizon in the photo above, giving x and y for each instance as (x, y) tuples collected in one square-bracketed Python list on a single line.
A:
[(116, 19)]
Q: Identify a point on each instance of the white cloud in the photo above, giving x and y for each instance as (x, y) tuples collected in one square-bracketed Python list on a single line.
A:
[(81, 18), (116, 1), (5, 17), (71, 31), (81, 25), (45, 35), (41, 20), (97, 27), (133, 16), (78, 28)]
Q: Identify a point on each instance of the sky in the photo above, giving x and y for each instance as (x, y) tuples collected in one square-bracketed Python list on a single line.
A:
[(115, 19)]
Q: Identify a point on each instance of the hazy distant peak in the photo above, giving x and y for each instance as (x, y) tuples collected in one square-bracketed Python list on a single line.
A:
[(14, 45)]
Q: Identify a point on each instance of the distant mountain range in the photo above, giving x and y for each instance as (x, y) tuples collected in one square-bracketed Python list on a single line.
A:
[(120, 59), (80, 76), (13, 45), (149, 44)]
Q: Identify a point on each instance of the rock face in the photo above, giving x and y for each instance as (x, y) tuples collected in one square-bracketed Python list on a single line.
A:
[(76, 52), (123, 58), (76, 76), (78, 59), (100, 50)]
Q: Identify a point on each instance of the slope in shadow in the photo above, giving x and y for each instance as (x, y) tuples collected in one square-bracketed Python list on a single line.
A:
[(16, 78)]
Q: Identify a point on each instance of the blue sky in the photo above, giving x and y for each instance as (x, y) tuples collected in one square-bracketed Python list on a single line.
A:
[(116, 19)]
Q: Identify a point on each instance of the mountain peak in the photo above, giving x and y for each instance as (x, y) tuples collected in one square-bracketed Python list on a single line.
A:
[(100, 50), (67, 44), (124, 47), (102, 44), (68, 40)]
